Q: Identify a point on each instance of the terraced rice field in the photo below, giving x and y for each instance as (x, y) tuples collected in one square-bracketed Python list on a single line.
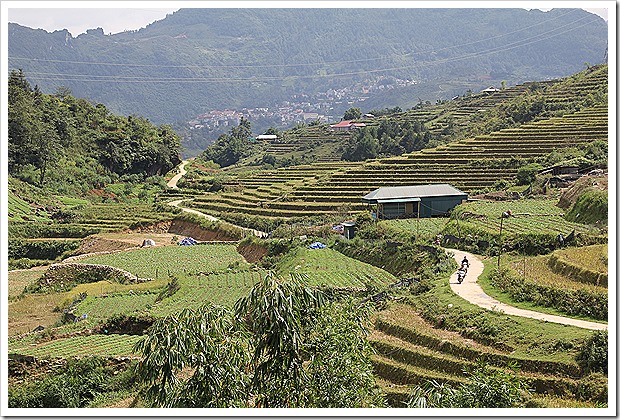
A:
[(411, 352), (470, 165), (113, 217), (160, 262), (594, 258), (20, 210), (537, 270), (90, 345), (530, 216)]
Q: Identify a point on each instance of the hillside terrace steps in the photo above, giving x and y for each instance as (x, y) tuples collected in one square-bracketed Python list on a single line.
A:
[(401, 364), (323, 188)]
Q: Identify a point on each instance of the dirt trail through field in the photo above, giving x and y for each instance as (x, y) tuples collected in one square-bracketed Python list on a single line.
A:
[(471, 291), (175, 179), (177, 203)]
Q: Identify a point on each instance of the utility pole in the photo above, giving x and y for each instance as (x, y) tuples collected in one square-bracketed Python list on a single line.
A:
[(505, 215), (501, 225)]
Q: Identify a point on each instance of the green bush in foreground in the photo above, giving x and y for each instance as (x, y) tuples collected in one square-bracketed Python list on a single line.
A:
[(593, 356), (283, 346), (486, 388), (80, 382)]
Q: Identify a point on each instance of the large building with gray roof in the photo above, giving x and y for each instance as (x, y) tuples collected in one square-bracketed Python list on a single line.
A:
[(414, 201)]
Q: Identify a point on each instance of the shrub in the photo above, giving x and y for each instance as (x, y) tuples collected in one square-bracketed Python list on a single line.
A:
[(486, 388), (594, 353), (74, 386), (527, 174), (39, 230), (501, 185), (24, 263), (40, 250), (422, 286), (593, 388), (127, 324), (572, 302)]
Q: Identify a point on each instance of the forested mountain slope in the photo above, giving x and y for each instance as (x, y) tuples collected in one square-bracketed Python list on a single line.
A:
[(200, 59), (69, 145)]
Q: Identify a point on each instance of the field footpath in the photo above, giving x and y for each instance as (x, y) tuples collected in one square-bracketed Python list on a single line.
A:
[(177, 203), (471, 291), (175, 179)]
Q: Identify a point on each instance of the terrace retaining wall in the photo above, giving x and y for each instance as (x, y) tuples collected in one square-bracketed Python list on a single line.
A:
[(67, 272)]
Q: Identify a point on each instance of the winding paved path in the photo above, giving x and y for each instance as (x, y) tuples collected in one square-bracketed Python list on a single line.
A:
[(471, 291)]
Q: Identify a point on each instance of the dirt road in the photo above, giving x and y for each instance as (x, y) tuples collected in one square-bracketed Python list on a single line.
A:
[(175, 179), (471, 291), (177, 203)]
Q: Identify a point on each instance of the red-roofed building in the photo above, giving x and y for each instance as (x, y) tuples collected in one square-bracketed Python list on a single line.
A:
[(346, 125)]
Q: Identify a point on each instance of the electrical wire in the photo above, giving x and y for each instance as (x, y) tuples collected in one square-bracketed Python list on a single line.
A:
[(328, 63), (142, 79)]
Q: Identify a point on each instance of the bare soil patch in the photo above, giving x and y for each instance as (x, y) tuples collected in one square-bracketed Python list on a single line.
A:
[(252, 253), (33, 310), (571, 194), (184, 228)]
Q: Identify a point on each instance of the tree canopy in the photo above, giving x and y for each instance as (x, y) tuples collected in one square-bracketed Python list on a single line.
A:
[(69, 140), (230, 147), (284, 345)]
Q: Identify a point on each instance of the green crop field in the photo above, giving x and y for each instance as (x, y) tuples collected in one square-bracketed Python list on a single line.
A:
[(323, 267), (222, 289), (159, 262), (100, 308), (530, 216), (329, 267), (90, 345)]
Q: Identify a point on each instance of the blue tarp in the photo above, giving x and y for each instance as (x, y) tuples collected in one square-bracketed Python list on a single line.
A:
[(188, 241), (317, 245)]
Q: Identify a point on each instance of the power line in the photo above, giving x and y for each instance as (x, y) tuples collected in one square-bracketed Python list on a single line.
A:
[(327, 63), (142, 79)]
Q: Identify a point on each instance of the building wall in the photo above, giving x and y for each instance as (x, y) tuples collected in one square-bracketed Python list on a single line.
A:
[(429, 206), (393, 210), (436, 206)]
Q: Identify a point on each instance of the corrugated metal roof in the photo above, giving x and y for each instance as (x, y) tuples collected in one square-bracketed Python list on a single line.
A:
[(398, 200), (393, 193)]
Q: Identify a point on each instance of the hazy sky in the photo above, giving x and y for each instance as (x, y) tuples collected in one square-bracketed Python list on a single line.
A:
[(77, 21), (116, 17)]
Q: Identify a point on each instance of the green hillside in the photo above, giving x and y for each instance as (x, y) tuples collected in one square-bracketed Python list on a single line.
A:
[(217, 58), (563, 121)]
